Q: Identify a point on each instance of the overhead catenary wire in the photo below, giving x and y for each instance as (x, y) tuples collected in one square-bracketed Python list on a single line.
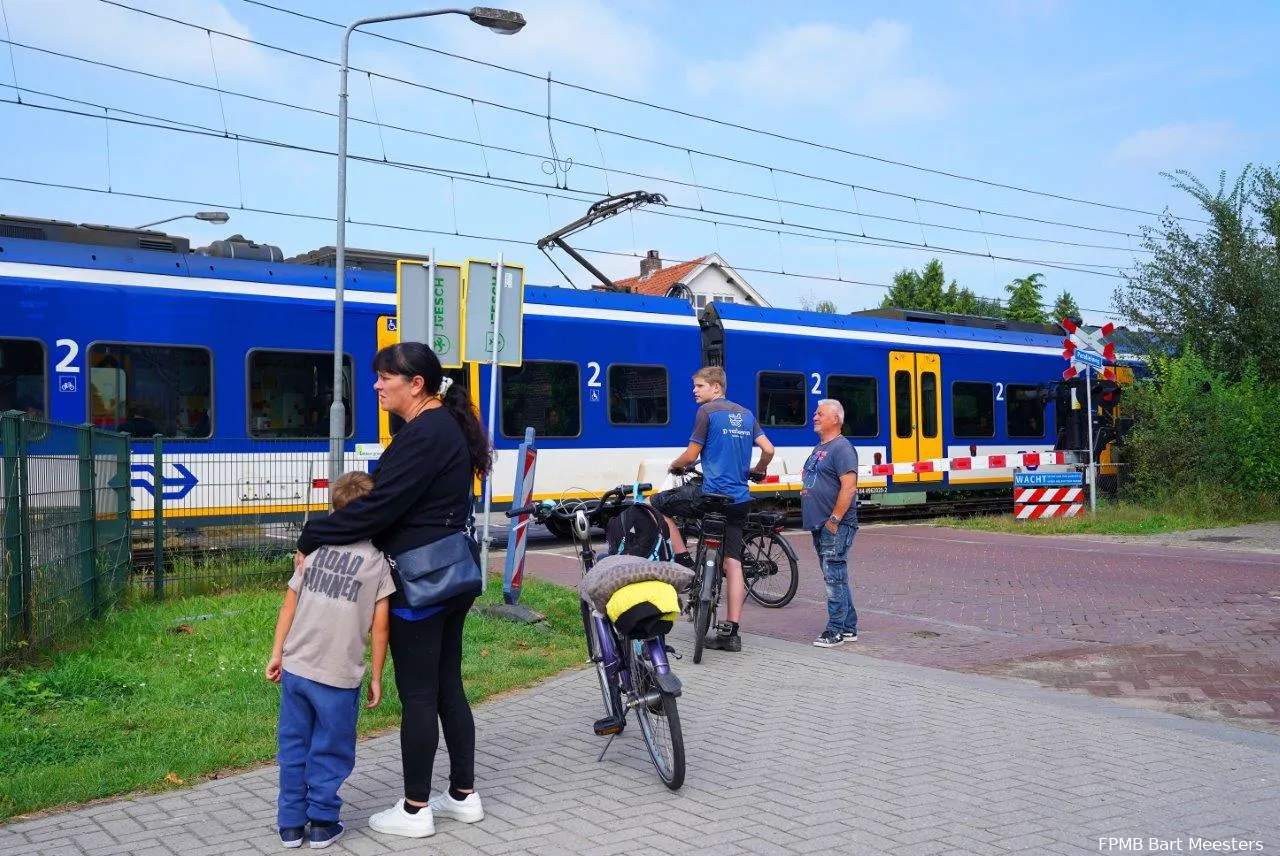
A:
[(723, 122), (482, 146), (766, 225), (399, 227), (678, 147)]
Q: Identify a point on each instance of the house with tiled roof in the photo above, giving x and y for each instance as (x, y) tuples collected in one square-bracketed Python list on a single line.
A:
[(707, 278)]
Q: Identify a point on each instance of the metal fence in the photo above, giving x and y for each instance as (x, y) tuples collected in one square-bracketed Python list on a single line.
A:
[(216, 521), (64, 528)]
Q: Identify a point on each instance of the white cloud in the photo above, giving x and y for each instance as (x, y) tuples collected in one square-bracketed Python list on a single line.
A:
[(1175, 144), (111, 34), (864, 73), (578, 40)]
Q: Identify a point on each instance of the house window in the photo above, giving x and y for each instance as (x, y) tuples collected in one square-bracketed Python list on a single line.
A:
[(145, 390), (973, 409), (638, 395), (290, 393), (543, 395), (700, 300), (728, 298)]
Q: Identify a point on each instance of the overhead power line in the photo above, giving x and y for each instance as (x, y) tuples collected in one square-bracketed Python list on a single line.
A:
[(781, 170), (721, 122), (398, 227), (112, 114)]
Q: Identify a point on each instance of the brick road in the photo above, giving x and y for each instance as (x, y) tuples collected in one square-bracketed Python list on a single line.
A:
[(840, 752), (1188, 629)]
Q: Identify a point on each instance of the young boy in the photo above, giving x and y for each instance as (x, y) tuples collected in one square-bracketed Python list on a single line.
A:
[(334, 601)]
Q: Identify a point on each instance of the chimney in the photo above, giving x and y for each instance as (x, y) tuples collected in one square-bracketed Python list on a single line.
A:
[(650, 264)]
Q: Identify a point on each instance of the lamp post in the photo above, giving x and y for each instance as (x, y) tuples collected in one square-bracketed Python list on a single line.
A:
[(207, 216), (500, 21)]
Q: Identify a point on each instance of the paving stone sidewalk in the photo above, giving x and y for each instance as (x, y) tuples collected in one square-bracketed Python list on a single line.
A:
[(792, 749)]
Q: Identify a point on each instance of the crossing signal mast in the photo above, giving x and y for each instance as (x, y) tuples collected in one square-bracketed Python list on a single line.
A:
[(1089, 352)]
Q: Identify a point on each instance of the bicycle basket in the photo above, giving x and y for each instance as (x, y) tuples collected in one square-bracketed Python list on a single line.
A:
[(644, 610)]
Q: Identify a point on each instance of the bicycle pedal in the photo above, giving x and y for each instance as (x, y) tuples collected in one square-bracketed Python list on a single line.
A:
[(609, 725)]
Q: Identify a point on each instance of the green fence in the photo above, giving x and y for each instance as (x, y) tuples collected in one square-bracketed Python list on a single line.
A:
[(64, 528), (226, 520)]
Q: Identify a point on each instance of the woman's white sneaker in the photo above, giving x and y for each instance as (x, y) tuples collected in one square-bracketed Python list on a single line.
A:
[(468, 810), (397, 821)]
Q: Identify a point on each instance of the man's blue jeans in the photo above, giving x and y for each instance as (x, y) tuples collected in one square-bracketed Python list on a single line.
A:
[(833, 555), (317, 741)]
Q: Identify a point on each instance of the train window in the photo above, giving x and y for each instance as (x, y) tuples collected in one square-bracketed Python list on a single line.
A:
[(145, 390), (290, 393), (638, 395), (929, 404), (781, 398), (973, 409), (1024, 411), (23, 383), (543, 395), (858, 396), (905, 425)]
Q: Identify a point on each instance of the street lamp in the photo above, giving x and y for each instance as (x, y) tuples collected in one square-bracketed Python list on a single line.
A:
[(500, 21), (207, 216)]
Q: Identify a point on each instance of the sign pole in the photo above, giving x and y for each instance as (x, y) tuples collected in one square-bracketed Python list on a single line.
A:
[(496, 310), (431, 302), (1093, 473)]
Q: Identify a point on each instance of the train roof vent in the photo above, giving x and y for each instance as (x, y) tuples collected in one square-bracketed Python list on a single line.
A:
[(353, 257), (10, 229), (92, 235), (240, 247)]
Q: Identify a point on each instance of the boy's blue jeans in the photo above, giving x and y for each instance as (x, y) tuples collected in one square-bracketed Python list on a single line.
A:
[(317, 742), (833, 555)]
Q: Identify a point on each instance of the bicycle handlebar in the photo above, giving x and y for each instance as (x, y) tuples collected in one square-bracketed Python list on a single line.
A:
[(692, 470)]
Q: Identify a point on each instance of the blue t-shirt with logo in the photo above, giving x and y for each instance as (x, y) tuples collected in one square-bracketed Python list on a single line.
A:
[(727, 433)]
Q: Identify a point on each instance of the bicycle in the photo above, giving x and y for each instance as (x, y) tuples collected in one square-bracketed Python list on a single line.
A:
[(770, 569), (634, 674)]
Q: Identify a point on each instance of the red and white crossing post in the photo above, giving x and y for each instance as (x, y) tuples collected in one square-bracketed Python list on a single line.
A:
[(1089, 351)]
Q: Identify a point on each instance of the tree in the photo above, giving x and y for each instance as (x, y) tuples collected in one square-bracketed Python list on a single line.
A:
[(810, 303), (924, 290), (1216, 292), (1065, 307), (1024, 303)]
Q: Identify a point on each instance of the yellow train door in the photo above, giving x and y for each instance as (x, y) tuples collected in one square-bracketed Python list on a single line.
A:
[(915, 411)]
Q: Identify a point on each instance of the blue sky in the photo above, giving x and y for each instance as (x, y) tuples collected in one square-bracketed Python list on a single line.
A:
[(1085, 100)]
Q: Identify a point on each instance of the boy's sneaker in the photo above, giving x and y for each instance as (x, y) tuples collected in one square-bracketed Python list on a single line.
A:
[(850, 635), (291, 836), (724, 639), (468, 810), (323, 836), (829, 639), (397, 821)]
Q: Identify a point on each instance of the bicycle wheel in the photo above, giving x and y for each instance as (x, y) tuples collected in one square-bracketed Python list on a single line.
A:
[(770, 569), (659, 722)]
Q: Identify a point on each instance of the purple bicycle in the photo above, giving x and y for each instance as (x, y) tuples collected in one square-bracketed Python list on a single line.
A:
[(634, 673)]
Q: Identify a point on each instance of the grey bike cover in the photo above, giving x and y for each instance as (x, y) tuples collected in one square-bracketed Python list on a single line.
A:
[(613, 572)]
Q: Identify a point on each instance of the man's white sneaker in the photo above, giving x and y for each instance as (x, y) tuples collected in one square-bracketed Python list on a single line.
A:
[(468, 810), (397, 821)]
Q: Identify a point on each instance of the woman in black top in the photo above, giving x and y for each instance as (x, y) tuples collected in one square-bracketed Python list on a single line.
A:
[(422, 493)]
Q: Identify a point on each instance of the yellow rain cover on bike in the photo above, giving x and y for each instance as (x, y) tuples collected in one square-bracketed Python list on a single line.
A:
[(644, 609)]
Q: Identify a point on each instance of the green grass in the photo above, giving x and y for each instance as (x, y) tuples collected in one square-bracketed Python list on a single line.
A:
[(160, 695), (1201, 509)]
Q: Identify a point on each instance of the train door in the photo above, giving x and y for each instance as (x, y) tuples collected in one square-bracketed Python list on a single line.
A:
[(915, 411)]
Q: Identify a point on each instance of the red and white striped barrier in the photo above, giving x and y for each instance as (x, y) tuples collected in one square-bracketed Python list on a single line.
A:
[(1033, 512), (979, 462), (1048, 494)]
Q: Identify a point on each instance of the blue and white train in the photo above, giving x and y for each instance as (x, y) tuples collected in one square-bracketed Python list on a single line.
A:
[(231, 358)]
